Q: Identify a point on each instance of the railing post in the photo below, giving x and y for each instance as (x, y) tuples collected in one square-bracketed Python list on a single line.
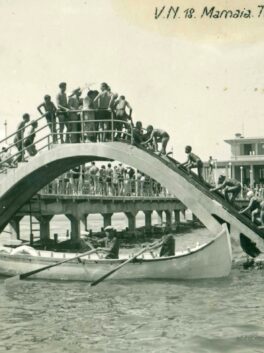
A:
[(112, 125), (82, 127), (131, 132), (48, 141), (22, 150), (136, 182)]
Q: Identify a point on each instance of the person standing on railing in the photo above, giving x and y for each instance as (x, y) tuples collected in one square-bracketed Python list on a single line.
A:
[(50, 110), (29, 139), (121, 115), (157, 135), (74, 118), (19, 137), (103, 101), (62, 104)]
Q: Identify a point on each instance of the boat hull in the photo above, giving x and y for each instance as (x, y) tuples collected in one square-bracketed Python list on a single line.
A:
[(212, 260)]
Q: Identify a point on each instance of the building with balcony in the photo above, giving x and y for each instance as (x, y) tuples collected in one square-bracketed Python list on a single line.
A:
[(246, 162)]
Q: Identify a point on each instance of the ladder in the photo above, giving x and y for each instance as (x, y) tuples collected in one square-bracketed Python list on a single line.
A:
[(34, 226)]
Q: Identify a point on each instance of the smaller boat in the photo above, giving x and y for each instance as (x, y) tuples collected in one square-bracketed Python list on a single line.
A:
[(210, 260)]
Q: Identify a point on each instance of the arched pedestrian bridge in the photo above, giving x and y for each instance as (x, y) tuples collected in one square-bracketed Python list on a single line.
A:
[(18, 185)]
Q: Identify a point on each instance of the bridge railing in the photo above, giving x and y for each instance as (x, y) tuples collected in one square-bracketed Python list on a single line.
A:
[(96, 187), (78, 126), (17, 144), (88, 125)]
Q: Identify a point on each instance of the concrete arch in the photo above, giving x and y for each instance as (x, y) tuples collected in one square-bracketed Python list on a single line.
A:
[(19, 185)]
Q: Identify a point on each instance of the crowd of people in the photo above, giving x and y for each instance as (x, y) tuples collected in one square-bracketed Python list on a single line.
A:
[(105, 180), (99, 116)]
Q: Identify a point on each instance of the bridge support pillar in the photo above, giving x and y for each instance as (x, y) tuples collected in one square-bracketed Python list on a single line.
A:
[(14, 226), (235, 241), (75, 227), (168, 218), (148, 220), (44, 227), (131, 216), (194, 218), (183, 213), (160, 215), (84, 224), (177, 216), (107, 219)]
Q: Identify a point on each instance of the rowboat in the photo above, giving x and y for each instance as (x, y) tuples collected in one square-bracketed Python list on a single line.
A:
[(209, 260)]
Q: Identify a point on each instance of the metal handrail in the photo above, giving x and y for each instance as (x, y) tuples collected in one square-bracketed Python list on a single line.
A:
[(2, 163), (21, 129), (50, 136), (86, 187)]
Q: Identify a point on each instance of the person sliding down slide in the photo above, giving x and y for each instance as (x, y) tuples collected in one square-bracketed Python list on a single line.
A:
[(230, 186), (254, 206)]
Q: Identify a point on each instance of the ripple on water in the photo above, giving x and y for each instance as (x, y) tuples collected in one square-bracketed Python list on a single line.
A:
[(139, 317)]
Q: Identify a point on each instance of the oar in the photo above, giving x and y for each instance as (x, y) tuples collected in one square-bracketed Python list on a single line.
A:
[(154, 245), (30, 273)]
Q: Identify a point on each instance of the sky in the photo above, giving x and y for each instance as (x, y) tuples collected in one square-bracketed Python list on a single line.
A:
[(201, 92)]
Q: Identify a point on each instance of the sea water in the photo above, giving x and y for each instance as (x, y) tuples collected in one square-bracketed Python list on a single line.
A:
[(216, 315)]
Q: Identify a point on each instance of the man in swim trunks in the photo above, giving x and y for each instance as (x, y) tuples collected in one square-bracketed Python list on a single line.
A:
[(50, 110), (254, 206), (157, 135), (193, 161), (230, 186), (103, 102), (19, 137), (29, 139), (63, 116), (121, 115)]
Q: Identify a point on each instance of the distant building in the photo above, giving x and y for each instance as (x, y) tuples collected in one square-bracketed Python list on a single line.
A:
[(246, 163)]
